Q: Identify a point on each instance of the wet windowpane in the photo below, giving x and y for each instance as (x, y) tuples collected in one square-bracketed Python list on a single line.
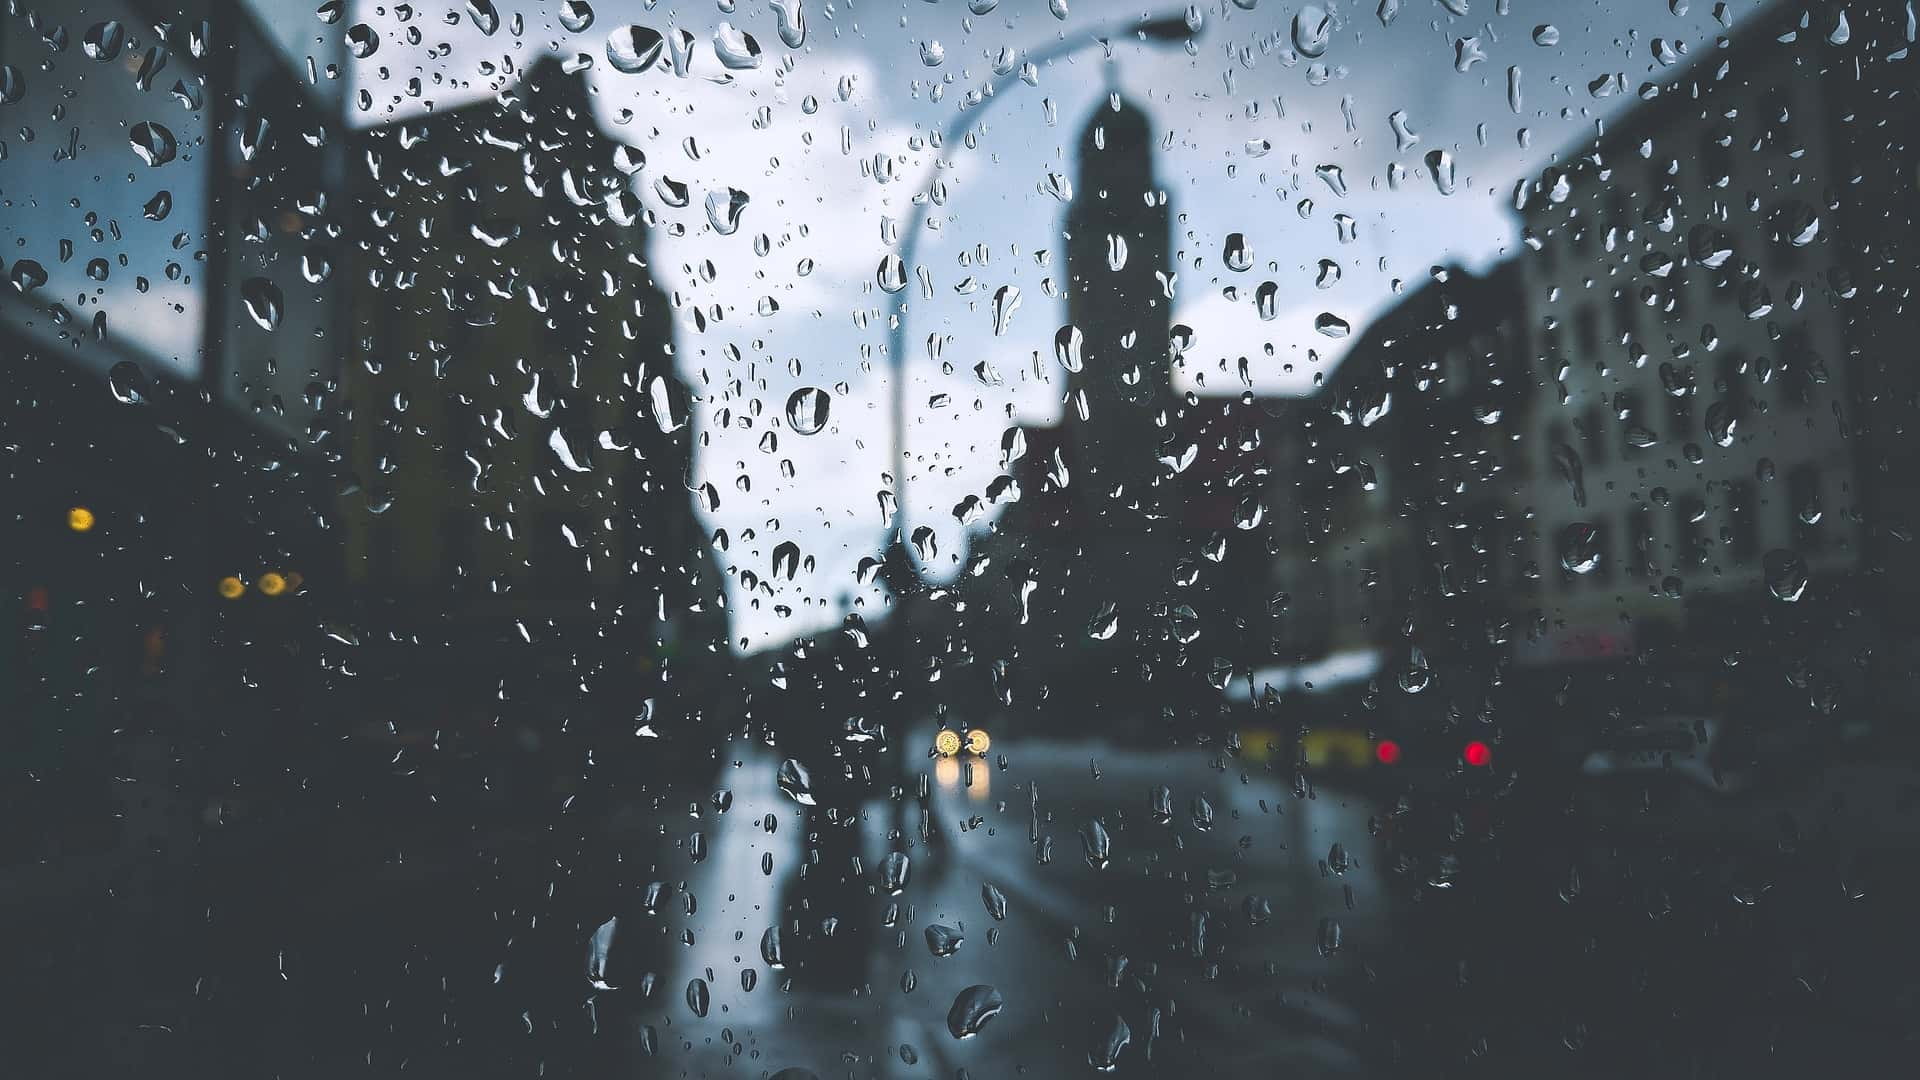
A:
[(960, 539)]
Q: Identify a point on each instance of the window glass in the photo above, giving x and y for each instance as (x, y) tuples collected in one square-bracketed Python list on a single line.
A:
[(803, 539)]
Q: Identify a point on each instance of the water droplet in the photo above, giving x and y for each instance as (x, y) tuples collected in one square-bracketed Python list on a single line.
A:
[(1799, 223), (153, 142), (1786, 574), (1708, 246), (1067, 344), (1116, 251), (1179, 339), (1237, 253), (1417, 676), (736, 48), (362, 40), (807, 410), (698, 997), (943, 941), (1332, 325), (128, 383), (926, 544), (895, 869), (724, 209), (1096, 844), (1105, 622), (932, 53), (1580, 548), (597, 948), (1266, 299), (1160, 805), (786, 559), (994, 900), (13, 86), (671, 192), (892, 274), (633, 49), (262, 300), (1109, 1040), (27, 275), (1312, 29), (576, 15), (972, 1009), (1466, 53), (1404, 137), (316, 264), (103, 41), (1006, 301), (667, 401), (796, 782), (1546, 35), (1440, 163), (484, 15), (158, 207), (1721, 422), (1332, 937)]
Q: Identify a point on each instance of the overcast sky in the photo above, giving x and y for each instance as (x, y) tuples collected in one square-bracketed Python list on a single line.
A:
[(800, 134)]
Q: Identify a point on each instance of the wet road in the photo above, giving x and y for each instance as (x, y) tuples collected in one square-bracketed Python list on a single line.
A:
[(1194, 930)]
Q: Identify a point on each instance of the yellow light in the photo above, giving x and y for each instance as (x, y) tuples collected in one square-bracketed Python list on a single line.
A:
[(947, 743), (271, 583), (232, 588), (947, 772), (80, 519), (977, 741)]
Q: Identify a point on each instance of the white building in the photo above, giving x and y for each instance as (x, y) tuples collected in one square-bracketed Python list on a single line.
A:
[(1687, 298)]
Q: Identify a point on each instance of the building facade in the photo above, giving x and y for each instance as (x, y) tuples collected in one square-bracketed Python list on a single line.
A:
[(516, 441), (1698, 285)]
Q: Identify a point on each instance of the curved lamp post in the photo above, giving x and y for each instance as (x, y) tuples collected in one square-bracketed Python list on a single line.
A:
[(1170, 29)]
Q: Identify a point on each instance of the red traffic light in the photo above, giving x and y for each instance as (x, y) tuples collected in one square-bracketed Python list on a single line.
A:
[(1387, 752), (1478, 754)]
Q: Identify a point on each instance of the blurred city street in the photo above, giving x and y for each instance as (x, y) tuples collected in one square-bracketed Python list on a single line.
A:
[(834, 541)]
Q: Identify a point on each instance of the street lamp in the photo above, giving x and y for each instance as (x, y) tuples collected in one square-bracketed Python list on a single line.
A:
[(1169, 29)]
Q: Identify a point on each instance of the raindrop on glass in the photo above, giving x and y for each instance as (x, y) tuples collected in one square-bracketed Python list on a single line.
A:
[(633, 49), (262, 300), (807, 410)]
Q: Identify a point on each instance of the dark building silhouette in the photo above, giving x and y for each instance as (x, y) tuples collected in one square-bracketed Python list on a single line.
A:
[(1414, 451), (1121, 315), (518, 440), (1134, 559)]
